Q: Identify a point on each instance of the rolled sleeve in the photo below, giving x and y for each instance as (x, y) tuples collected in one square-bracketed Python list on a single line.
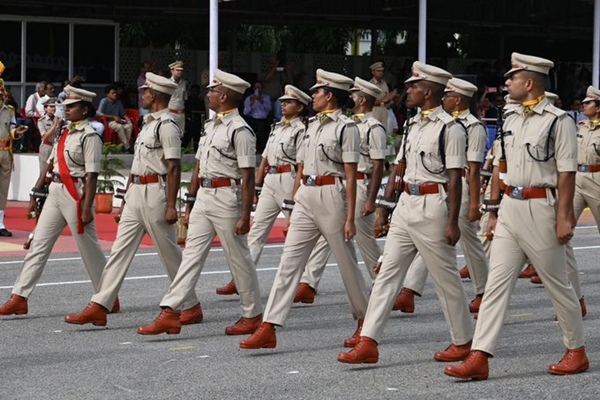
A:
[(245, 148), (378, 144), (477, 143), (456, 142), (170, 141), (351, 145), (565, 145), (92, 153)]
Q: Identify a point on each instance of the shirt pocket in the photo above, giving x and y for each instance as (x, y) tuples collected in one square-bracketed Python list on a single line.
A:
[(329, 151), (430, 158), (509, 147), (220, 148)]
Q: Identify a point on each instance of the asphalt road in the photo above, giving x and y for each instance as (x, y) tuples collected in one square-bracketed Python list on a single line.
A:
[(44, 358)]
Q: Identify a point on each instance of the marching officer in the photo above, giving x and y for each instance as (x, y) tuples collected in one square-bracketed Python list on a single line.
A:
[(74, 165), (277, 172), (8, 133), (324, 206), (457, 98), (536, 219), (425, 219), (368, 181), (219, 203), (149, 205)]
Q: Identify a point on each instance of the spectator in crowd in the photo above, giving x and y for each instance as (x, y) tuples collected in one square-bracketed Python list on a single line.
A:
[(122, 95), (280, 73), (112, 108), (32, 100), (257, 107), (145, 67), (576, 112)]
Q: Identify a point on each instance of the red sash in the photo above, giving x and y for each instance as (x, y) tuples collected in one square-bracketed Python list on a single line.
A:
[(65, 177)]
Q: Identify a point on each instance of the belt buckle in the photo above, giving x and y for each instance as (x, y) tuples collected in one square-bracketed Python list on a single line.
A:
[(272, 169), (414, 189), (584, 168), (311, 180), (137, 179), (516, 192), (206, 182)]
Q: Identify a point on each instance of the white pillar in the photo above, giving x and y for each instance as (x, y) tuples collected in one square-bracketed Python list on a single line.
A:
[(213, 48), (423, 30), (596, 50)]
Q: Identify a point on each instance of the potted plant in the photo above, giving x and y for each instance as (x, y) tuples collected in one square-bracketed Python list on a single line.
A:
[(105, 187)]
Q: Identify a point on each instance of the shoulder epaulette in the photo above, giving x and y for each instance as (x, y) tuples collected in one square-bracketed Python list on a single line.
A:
[(446, 118), (471, 120), (312, 119), (374, 123), (556, 111), (582, 122), (239, 124)]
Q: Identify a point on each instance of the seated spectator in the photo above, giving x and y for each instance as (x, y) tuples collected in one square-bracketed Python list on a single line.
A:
[(122, 95), (31, 104), (112, 109)]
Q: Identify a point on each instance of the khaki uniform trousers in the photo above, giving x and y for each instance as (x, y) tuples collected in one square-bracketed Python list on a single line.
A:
[(143, 213), (123, 132), (45, 152), (179, 119), (276, 188), (475, 257), (526, 228), (364, 239), (5, 173), (418, 225), (319, 210), (59, 211), (216, 212)]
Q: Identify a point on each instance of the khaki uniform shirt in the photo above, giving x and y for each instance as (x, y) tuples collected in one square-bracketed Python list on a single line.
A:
[(83, 150), (329, 144), (44, 125), (7, 121), (373, 142), (476, 136), (228, 145), (423, 160), (284, 141), (589, 144), (178, 98), (155, 144), (385, 89), (526, 136)]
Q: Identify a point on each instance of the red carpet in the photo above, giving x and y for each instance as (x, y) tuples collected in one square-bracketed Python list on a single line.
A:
[(16, 221)]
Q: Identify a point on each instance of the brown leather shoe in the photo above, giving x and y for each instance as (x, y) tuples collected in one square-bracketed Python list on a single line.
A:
[(464, 273), (536, 279), (476, 303), (228, 289), (94, 313), (263, 338), (192, 315), (116, 306), (405, 301), (573, 362), (474, 367), (16, 305), (353, 341), (244, 326), (166, 322), (454, 353), (305, 294), (365, 352), (528, 272)]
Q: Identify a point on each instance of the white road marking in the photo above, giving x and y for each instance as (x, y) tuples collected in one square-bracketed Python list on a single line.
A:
[(133, 278)]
